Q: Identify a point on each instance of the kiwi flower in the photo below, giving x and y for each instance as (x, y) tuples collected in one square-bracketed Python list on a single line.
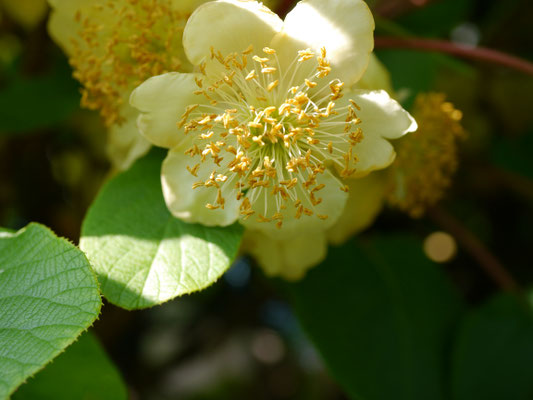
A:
[(113, 46), (267, 129)]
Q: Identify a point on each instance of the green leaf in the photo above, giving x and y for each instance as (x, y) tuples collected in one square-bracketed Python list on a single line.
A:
[(142, 254), (83, 371), (380, 314), (494, 353), (48, 296)]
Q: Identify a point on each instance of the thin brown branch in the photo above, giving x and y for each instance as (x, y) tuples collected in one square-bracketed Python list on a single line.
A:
[(395, 8), (477, 250), (443, 46)]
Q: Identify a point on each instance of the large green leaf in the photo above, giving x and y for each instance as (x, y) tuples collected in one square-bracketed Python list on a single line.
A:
[(82, 372), (381, 316), (48, 296), (493, 357), (142, 254)]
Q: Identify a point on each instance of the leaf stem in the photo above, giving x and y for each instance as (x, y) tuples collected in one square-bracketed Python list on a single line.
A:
[(471, 244), (443, 46)]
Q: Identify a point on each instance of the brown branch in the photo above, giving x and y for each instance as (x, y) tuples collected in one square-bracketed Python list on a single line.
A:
[(395, 8), (442, 46), (471, 244)]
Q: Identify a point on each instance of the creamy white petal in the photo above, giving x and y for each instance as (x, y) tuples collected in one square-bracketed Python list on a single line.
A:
[(228, 26), (344, 27), (290, 258), (382, 118), (189, 204), (365, 200), (380, 113), (62, 24), (162, 100), (376, 77), (124, 142), (264, 203)]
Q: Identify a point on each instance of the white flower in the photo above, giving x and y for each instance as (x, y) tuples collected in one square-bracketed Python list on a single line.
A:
[(268, 127)]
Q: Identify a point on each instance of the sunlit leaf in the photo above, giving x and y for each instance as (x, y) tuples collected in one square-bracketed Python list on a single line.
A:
[(48, 296), (142, 254)]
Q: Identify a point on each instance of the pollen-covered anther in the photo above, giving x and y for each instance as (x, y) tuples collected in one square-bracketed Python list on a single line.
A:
[(268, 50), (251, 75), (272, 85), (304, 55), (268, 70)]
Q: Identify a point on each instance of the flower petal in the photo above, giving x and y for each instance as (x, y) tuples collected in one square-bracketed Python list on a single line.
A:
[(264, 203), (162, 100), (365, 200), (289, 258), (344, 27), (62, 24), (380, 113), (189, 204), (228, 26), (376, 77), (124, 142), (382, 118)]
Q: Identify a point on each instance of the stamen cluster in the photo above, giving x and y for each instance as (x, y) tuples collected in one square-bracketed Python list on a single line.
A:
[(426, 159), (267, 139), (142, 40)]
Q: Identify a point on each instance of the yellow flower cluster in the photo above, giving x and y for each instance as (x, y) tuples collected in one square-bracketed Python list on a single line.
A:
[(427, 159)]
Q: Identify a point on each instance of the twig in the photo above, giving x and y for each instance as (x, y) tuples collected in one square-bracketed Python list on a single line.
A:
[(470, 243), (394, 8), (443, 46)]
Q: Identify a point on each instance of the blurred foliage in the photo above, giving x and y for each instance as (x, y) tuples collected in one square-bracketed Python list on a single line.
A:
[(406, 328), (493, 352), (38, 102), (388, 313)]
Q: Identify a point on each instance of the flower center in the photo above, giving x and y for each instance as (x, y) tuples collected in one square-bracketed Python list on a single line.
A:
[(139, 39), (269, 134)]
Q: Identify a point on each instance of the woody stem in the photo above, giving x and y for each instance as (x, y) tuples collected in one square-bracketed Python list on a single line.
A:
[(443, 46)]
